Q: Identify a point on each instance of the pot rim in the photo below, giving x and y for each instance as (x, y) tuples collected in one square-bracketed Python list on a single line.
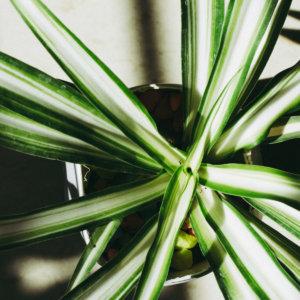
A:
[(74, 179)]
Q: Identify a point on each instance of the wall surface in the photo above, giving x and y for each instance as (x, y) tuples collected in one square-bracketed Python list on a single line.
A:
[(140, 42)]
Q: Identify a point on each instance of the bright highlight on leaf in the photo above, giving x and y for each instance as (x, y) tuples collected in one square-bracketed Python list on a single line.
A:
[(285, 215), (101, 87), (202, 23), (39, 97), (230, 280), (175, 205), (251, 126), (119, 275), (81, 213), (257, 263), (284, 129), (98, 242), (285, 251)]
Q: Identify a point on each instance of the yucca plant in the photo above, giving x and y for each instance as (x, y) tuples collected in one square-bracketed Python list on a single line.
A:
[(106, 126)]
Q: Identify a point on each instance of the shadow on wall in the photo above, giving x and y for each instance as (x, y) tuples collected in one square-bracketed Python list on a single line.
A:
[(42, 270), (148, 41), (295, 14), (292, 34)]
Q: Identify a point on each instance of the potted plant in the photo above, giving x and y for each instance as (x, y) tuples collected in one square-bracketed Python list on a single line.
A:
[(108, 126)]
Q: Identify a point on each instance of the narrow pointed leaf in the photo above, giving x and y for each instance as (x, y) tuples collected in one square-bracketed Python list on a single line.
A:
[(284, 129), (252, 181), (103, 88), (287, 252), (251, 126), (230, 280), (208, 136), (175, 206), (22, 134), (92, 252), (264, 51), (247, 249), (284, 215), (116, 278), (34, 94), (244, 26), (202, 23), (81, 213)]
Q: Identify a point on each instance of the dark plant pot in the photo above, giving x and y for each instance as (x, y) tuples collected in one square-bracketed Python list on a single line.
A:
[(75, 188)]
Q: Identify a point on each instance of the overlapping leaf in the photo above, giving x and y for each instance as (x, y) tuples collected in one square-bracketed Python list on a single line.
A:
[(244, 26), (120, 275), (287, 252), (286, 216), (175, 205), (264, 51), (81, 213), (96, 81), (22, 134), (252, 181), (257, 263), (92, 252), (285, 128), (230, 280), (251, 126), (202, 23)]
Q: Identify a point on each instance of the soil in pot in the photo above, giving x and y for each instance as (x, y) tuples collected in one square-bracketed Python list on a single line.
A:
[(165, 107)]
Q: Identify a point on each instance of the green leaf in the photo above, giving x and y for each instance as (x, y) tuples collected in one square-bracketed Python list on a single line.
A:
[(202, 23), (286, 216), (287, 252), (244, 26), (34, 94), (252, 181), (175, 205), (98, 83), (81, 213), (264, 51), (284, 129), (97, 244), (22, 134), (116, 278), (208, 136), (251, 126), (230, 280), (246, 248)]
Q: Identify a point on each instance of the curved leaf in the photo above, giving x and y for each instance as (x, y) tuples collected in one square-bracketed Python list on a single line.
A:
[(287, 252), (252, 181), (247, 249), (264, 51), (230, 280), (98, 83), (244, 26), (98, 242), (202, 23), (81, 213), (284, 129), (175, 206), (116, 278), (286, 216), (250, 127), (22, 134), (208, 136), (39, 97)]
